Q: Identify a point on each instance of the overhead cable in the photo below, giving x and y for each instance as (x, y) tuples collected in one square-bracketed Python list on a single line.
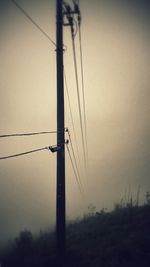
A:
[(33, 21), (71, 115), (28, 134), (74, 170), (25, 153), (78, 94), (83, 89), (74, 157)]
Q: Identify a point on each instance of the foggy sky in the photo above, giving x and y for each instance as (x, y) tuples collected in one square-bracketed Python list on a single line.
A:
[(116, 64)]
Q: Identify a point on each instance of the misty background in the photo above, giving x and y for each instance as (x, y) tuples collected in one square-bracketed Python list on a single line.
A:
[(115, 37)]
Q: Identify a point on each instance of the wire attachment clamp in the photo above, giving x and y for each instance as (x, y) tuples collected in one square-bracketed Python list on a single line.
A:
[(68, 16), (56, 148)]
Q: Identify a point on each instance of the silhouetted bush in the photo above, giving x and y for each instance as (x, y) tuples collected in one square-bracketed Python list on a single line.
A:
[(120, 238)]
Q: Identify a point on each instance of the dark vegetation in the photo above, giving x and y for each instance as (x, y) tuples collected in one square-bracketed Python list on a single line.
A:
[(120, 238)]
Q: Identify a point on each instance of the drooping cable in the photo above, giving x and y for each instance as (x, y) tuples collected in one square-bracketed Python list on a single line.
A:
[(25, 153), (74, 170), (33, 22), (78, 94), (74, 157), (71, 115), (27, 134), (83, 88)]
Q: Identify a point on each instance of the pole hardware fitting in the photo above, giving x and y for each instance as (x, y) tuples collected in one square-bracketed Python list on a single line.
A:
[(66, 130), (69, 13), (54, 149), (66, 141)]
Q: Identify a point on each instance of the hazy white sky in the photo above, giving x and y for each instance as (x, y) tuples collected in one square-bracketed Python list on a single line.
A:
[(116, 64)]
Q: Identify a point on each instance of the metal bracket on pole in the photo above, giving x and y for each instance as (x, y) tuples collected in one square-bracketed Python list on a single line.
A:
[(66, 142), (69, 13), (54, 149)]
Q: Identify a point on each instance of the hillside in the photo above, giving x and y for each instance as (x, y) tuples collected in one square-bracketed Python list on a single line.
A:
[(120, 238)]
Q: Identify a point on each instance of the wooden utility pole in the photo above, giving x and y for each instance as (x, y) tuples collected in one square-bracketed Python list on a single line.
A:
[(62, 9), (60, 198)]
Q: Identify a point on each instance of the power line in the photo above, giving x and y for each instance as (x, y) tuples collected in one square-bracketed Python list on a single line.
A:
[(79, 178), (27, 134), (25, 153), (83, 87), (33, 22), (74, 170), (78, 93), (71, 115)]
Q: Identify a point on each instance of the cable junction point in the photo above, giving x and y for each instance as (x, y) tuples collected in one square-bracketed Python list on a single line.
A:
[(54, 149)]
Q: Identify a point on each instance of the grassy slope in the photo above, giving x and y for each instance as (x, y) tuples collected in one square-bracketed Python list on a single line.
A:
[(117, 239)]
